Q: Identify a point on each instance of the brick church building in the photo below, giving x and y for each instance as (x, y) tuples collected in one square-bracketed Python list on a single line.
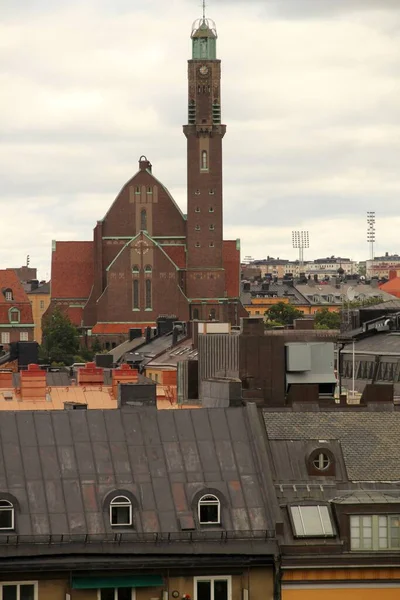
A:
[(147, 259)]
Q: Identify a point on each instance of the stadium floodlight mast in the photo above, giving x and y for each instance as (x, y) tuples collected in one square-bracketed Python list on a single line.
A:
[(371, 232), (300, 240)]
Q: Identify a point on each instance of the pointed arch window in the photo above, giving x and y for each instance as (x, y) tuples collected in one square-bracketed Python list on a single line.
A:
[(136, 294), (143, 219), (204, 160), (148, 294)]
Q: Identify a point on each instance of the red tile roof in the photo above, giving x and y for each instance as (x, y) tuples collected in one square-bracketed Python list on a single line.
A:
[(231, 260), (392, 287), (117, 328), (177, 254), (9, 281), (72, 270)]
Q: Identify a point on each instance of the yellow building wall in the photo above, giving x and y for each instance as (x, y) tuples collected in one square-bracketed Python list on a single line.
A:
[(353, 593), (40, 303), (258, 581), (351, 584)]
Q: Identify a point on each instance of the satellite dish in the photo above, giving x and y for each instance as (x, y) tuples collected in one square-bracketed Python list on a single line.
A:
[(351, 294)]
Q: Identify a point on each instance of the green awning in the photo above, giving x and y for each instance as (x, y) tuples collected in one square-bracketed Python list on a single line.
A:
[(90, 583)]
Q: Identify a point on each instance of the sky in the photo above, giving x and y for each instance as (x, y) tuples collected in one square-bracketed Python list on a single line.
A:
[(310, 96)]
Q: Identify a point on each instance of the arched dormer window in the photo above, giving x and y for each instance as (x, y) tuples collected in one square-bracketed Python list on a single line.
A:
[(143, 219), (204, 160), (209, 510), (6, 515), (14, 316), (120, 512)]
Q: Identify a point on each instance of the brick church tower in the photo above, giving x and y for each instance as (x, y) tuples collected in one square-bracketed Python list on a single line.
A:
[(204, 134), (148, 260)]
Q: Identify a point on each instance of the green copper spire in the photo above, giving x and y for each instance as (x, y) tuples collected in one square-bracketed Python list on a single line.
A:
[(204, 38)]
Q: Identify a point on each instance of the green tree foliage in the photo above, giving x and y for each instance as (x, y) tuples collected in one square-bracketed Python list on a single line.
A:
[(60, 339), (365, 302), (327, 320), (283, 314)]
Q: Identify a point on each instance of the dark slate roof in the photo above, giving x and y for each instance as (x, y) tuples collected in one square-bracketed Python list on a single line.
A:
[(380, 343), (282, 289), (369, 440), (60, 466), (42, 289)]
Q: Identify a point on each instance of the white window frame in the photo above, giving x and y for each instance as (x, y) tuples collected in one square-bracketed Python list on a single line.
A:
[(18, 584), (8, 507), (24, 336), (324, 533), (227, 578), (203, 502), (133, 594), (8, 296), (115, 504), (5, 337)]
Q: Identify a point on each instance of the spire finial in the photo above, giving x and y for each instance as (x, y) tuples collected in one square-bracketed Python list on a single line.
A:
[(204, 9)]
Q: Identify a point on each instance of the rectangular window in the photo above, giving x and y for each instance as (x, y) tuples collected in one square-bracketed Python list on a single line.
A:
[(375, 532), (116, 594), (136, 294), (311, 521), (212, 588), (23, 336), (5, 337), (9, 296), (18, 591), (42, 305)]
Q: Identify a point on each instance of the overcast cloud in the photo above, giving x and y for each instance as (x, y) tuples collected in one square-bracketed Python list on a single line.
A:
[(310, 97)]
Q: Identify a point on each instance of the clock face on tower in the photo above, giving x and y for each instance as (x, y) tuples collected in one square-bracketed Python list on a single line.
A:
[(203, 70)]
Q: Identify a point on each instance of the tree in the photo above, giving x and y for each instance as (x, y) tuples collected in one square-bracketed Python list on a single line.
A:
[(283, 314), (324, 319), (60, 339)]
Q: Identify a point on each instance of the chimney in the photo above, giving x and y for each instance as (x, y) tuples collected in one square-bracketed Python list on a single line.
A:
[(90, 375), (374, 283), (123, 375), (175, 333), (6, 379), (148, 335), (33, 383)]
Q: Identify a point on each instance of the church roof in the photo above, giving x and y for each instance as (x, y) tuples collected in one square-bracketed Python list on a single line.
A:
[(72, 270)]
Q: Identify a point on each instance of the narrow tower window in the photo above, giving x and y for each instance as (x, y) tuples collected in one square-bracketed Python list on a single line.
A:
[(143, 219), (196, 314), (136, 294), (148, 293), (204, 160)]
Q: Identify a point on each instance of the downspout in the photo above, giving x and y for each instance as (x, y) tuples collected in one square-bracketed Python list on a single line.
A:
[(339, 367), (277, 577)]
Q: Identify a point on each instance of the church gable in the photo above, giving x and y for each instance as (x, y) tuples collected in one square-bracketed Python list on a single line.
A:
[(144, 204), (142, 284)]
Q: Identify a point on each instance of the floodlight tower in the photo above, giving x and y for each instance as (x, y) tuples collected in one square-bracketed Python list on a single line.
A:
[(300, 240), (371, 232)]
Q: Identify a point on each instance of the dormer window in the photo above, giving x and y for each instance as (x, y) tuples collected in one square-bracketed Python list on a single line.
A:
[(14, 315), (6, 515), (375, 532), (120, 512), (8, 295), (321, 462), (209, 510), (311, 521)]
